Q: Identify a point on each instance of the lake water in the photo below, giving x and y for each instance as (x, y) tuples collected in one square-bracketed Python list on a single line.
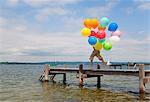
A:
[(19, 83)]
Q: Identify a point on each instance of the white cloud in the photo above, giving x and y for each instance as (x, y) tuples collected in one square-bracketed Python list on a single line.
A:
[(39, 3), (141, 32), (18, 43), (3, 21), (13, 2), (63, 46), (130, 50), (44, 13), (23, 42), (144, 6), (101, 10), (139, 5), (129, 10), (51, 2)]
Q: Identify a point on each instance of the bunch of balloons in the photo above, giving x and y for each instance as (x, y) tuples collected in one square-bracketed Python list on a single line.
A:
[(98, 38)]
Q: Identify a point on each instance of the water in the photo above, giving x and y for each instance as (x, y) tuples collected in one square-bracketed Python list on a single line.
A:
[(19, 83)]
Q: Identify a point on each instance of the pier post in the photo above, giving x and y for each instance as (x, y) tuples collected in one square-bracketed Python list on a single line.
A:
[(98, 78), (64, 78), (141, 78), (46, 72), (81, 75)]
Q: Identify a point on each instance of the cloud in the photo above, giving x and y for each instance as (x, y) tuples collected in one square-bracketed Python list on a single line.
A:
[(141, 32), (101, 10), (44, 13), (129, 10), (39, 3), (22, 38), (32, 43), (3, 21), (138, 5), (13, 2), (53, 2), (19, 43), (144, 6), (34, 46), (130, 50)]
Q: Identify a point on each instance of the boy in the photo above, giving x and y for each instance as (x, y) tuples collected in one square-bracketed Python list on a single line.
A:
[(97, 54)]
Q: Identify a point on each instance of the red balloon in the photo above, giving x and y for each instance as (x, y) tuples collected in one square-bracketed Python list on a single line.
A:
[(101, 34), (93, 33)]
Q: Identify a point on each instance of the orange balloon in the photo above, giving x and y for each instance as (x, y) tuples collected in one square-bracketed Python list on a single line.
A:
[(87, 22), (94, 23), (99, 27)]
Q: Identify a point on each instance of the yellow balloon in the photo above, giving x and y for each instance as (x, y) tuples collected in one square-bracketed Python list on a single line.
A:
[(98, 45), (86, 31)]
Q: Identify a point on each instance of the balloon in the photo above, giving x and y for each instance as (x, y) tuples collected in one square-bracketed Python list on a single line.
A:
[(102, 40), (100, 28), (94, 23), (87, 22), (92, 40), (93, 33), (113, 27), (104, 22), (86, 31), (114, 39), (116, 33), (101, 34), (107, 46), (98, 46)]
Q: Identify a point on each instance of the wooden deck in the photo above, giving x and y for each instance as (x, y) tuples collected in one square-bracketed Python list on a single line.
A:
[(131, 72), (144, 75)]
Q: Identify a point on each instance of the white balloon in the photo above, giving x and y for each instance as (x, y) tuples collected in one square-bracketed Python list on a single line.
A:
[(114, 39), (116, 33)]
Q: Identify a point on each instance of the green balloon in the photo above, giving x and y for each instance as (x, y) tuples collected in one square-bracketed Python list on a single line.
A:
[(107, 46), (104, 22), (102, 40)]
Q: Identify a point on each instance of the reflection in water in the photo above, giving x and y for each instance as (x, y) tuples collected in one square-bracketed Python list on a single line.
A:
[(63, 93)]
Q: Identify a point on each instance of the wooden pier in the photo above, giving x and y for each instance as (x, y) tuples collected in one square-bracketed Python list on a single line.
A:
[(144, 75)]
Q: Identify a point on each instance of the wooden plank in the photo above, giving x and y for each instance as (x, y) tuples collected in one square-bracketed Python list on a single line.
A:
[(46, 72), (146, 80), (98, 78), (141, 78), (94, 74), (112, 72), (52, 73), (89, 75), (147, 73), (100, 71), (81, 75), (64, 78)]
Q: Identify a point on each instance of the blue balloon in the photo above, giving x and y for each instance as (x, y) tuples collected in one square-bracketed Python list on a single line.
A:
[(92, 40), (113, 27)]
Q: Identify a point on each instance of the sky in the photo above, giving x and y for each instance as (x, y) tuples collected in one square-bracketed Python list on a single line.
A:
[(50, 30)]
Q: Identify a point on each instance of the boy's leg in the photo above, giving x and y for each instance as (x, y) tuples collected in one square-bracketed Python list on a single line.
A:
[(91, 59), (101, 58)]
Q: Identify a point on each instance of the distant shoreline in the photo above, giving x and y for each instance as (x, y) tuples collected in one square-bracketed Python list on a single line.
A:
[(78, 62)]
